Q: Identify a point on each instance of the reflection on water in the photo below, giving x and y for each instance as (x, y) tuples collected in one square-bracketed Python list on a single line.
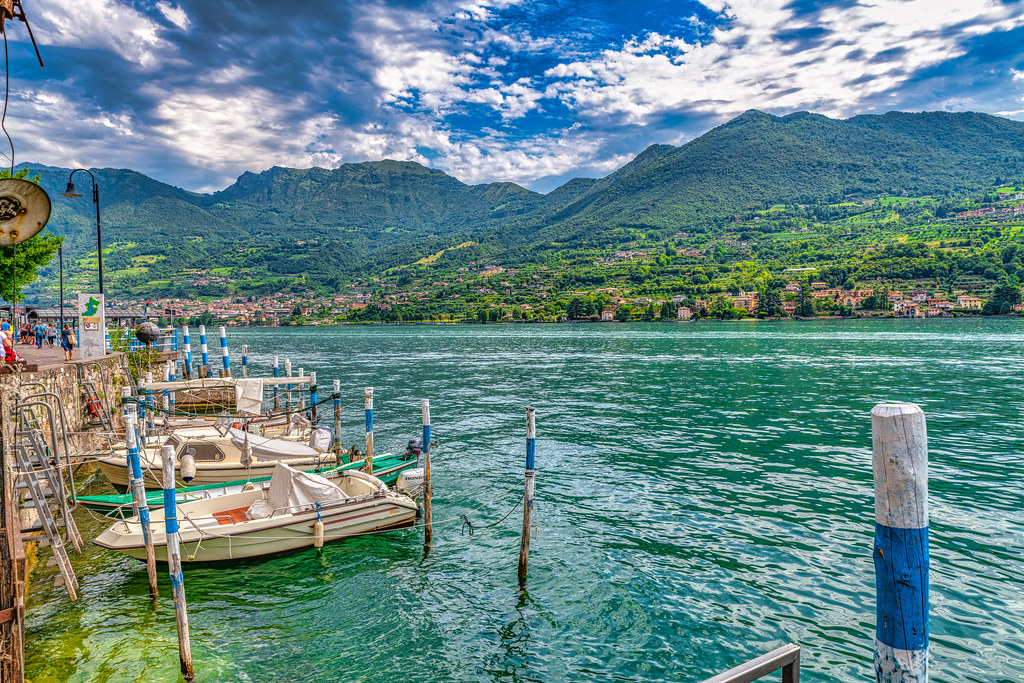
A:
[(704, 495)]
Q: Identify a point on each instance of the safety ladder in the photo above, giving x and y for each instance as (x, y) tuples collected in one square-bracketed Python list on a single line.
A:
[(41, 486), (96, 406)]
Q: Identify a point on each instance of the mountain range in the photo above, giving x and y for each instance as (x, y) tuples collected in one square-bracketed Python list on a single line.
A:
[(374, 215)]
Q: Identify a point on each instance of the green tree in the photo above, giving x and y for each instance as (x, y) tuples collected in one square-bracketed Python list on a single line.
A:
[(32, 254), (804, 300), (769, 300), (1004, 298)]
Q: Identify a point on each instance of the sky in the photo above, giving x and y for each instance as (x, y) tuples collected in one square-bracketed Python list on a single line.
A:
[(195, 92)]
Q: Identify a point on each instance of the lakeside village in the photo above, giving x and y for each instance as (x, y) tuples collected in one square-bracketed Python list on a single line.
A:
[(796, 299)]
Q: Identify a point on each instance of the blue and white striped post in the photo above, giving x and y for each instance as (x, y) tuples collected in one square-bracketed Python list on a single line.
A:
[(206, 353), (142, 410), (337, 420), (151, 413), (224, 351), (170, 394), (166, 395), (174, 565), (428, 523), (302, 392), (368, 403), (531, 449), (314, 411), (899, 438), (188, 352), (288, 392), (139, 505), (245, 361), (277, 373)]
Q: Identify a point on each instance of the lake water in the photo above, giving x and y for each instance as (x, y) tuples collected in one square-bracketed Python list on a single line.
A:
[(704, 495)]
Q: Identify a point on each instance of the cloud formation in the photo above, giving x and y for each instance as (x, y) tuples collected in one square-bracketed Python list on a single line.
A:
[(532, 91)]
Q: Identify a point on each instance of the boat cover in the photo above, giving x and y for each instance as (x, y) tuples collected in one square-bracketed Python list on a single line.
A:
[(291, 490), (249, 395), (272, 449)]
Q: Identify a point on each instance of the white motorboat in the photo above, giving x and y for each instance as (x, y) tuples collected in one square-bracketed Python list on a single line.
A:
[(219, 456), (267, 521)]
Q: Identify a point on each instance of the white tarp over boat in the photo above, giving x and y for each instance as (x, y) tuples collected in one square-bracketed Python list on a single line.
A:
[(271, 449), (291, 490), (249, 395)]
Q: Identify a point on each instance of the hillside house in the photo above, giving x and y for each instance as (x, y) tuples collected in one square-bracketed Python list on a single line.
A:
[(683, 313), (970, 303)]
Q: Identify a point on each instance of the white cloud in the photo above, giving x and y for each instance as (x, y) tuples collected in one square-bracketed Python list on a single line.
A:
[(174, 14), (99, 24)]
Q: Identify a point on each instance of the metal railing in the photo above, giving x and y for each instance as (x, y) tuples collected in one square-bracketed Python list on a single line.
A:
[(786, 658), (167, 342)]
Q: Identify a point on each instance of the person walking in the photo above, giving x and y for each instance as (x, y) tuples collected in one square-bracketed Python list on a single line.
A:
[(51, 335), (67, 341), (39, 329)]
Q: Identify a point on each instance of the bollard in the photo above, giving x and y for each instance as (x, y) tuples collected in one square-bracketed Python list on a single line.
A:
[(224, 351), (428, 528), (174, 565), (531, 447), (139, 500), (205, 351), (368, 402), (899, 438), (337, 420), (314, 412), (245, 361), (188, 352), (277, 373), (288, 387)]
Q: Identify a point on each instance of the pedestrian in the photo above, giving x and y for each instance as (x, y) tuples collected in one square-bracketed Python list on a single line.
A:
[(9, 354), (25, 334), (51, 335), (39, 330), (67, 341)]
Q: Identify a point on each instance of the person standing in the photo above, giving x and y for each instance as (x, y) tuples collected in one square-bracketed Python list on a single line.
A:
[(51, 335), (40, 331), (67, 341)]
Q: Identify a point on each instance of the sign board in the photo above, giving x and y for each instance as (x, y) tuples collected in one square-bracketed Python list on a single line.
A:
[(92, 333)]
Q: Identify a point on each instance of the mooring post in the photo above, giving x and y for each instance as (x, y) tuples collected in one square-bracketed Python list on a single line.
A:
[(245, 361), (368, 401), (899, 437), (170, 394), (314, 412), (151, 413), (142, 410), (302, 392), (337, 420), (174, 565), (224, 351), (531, 447), (166, 395), (205, 351), (139, 506), (277, 373), (288, 387), (428, 528), (188, 352)]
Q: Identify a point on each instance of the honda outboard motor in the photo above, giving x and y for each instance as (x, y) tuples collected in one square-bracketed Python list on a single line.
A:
[(414, 448)]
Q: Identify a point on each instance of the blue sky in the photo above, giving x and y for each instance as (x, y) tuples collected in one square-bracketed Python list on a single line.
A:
[(195, 92)]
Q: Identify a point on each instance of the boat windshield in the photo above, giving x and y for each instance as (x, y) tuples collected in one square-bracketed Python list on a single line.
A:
[(174, 442)]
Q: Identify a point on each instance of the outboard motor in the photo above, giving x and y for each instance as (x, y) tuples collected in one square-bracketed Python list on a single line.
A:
[(321, 439), (414, 448)]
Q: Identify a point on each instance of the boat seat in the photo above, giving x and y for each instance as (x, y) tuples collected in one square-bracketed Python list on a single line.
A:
[(231, 516)]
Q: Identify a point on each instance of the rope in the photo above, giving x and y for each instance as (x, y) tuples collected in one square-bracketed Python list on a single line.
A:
[(472, 528), (182, 413)]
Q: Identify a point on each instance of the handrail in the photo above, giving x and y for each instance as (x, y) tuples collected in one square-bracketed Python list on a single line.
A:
[(786, 658)]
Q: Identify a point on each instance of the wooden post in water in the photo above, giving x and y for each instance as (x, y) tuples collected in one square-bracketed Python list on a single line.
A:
[(224, 351), (314, 412), (288, 392), (170, 394), (188, 352), (151, 413), (139, 506), (205, 372), (245, 361), (368, 402), (142, 411), (302, 393), (899, 438), (166, 396), (428, 528), (337, 420), (174, 565), (531, 447), (277, 373)]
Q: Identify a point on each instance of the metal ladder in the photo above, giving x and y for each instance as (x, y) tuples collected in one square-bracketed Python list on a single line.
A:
[(40, 483), (96, 407)]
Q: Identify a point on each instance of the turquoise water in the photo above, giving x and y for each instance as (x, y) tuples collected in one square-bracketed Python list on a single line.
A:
[(704, 495)]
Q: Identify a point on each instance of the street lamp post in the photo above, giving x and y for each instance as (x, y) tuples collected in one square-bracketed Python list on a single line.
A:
[(70, 192), (60, 256)]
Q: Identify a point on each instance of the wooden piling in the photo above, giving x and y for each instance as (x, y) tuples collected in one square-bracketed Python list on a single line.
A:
[(302, 394), (337, 420), (151, 413), (245, 361), (188, 352), (205, 351), (174, 565), (224, 351), (428, 528), (368, 402), (531, 446), (314, 411), (140, 508), (288, 387), (899, 438), (277, 373)]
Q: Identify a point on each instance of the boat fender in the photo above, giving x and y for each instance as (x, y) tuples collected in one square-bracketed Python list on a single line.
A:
[(188, 466), (318, 529), (249, 486)]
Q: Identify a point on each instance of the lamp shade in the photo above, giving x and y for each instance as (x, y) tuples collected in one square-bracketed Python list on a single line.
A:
[(70, 192)]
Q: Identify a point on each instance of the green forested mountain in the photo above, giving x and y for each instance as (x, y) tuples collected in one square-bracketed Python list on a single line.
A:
[(368, 217)]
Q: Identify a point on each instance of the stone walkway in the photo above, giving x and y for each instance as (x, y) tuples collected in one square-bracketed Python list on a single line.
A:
[(44, 357)]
